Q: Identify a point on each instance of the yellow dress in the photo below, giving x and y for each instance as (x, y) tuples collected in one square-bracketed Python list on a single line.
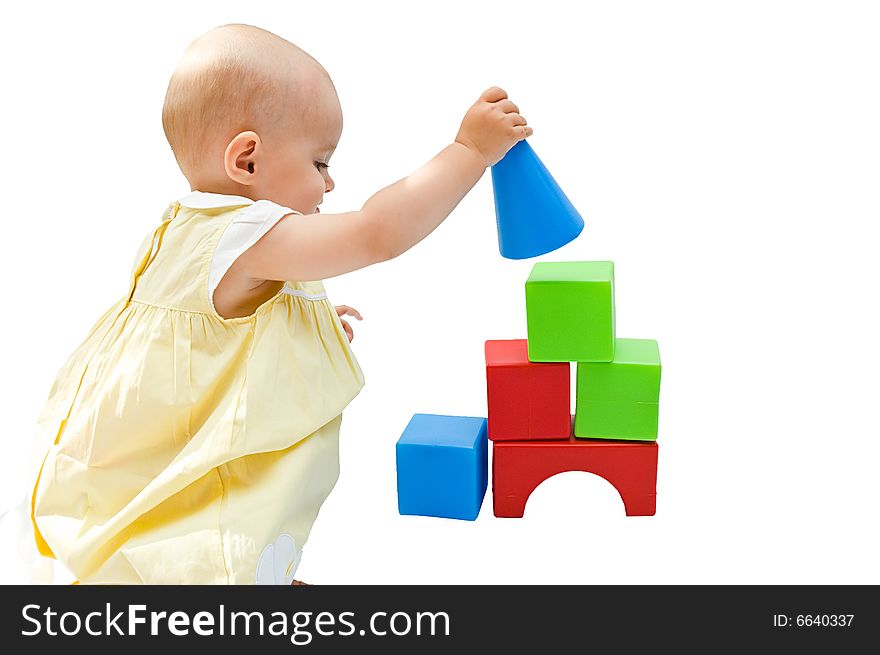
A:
[(190, 448)]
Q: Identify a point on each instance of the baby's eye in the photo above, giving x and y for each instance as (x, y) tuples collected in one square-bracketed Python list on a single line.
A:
[(319, 164)]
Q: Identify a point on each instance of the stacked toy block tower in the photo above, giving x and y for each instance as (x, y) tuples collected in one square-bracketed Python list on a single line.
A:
[(570, 318)]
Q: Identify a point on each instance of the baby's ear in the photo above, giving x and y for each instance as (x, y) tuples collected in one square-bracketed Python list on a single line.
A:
[(240, 159)]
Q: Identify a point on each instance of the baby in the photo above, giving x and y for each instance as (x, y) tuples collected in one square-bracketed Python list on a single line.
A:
[(196, 427)]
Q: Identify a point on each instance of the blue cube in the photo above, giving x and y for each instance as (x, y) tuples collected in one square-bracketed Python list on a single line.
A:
[(442, 466)]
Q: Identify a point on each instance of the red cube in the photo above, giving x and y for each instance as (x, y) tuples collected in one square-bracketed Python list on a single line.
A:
[(526, 400)]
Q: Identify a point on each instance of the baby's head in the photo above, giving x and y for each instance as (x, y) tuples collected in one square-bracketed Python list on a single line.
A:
[(250, 114)]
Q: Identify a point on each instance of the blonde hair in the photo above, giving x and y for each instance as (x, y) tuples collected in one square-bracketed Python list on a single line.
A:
[(232, 79)]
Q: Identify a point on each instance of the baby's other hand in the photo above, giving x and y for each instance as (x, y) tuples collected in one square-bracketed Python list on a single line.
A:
[(492, 126), (342, 310)]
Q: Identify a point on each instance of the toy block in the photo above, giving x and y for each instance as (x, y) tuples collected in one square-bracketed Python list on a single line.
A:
[(518, 467), (442, 466), (532, 213), (570, 312), (620, 399), (526, 400)]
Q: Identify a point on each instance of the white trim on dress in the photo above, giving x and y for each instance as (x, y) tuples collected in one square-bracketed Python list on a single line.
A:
[(302, 294), (203, 200)]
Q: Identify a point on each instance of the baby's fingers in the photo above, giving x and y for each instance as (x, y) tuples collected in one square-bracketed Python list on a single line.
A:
[(520, 126), (344, 310), (493, 94), (348, 330), (508, 106)]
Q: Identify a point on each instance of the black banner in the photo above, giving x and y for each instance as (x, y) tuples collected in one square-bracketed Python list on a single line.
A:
[(437, 619)]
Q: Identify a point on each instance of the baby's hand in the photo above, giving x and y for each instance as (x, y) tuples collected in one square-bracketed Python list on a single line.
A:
[(342, 310), (492, 126)]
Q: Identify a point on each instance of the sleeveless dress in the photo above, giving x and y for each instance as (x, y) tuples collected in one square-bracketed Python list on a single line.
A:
[(189, 448)]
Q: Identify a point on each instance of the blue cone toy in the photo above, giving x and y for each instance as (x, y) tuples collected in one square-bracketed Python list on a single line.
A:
[(534, 216)]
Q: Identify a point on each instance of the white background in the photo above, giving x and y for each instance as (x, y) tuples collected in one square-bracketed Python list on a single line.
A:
[(725, 156)]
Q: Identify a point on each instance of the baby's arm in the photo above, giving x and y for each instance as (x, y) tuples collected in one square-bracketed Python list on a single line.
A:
[(320, 246)]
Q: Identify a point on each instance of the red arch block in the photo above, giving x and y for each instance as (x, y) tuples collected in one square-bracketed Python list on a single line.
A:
[(518, 467)]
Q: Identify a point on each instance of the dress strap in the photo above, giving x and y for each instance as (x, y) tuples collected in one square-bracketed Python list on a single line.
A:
[(155, 243)]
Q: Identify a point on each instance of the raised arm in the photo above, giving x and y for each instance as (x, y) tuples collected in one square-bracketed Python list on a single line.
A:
[(320, 246)]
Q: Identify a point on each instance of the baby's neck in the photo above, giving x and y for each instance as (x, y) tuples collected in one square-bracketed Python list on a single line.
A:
[(227, 188)]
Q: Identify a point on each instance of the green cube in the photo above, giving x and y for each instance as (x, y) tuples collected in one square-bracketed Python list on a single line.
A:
[(570, 312), (620, 399)]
